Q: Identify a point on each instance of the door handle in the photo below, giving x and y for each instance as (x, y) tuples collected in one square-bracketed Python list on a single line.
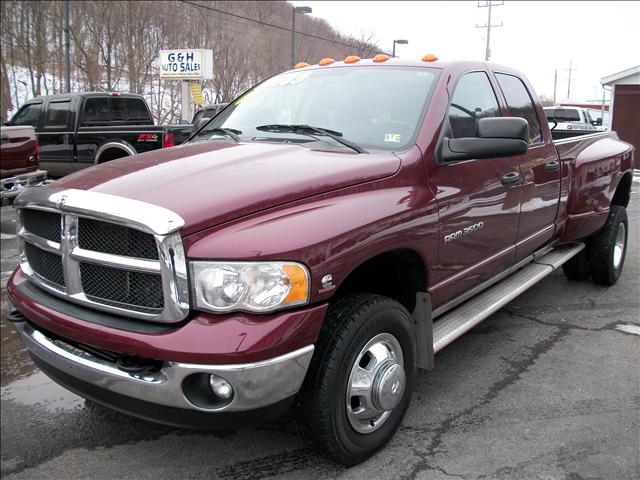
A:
[(552, 166), (510, 178)]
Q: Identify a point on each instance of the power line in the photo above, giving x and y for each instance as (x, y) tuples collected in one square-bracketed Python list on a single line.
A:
[(488, 25), (266, 24)]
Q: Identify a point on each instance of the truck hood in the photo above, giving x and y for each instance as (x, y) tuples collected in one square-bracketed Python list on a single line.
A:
[(209, 183)]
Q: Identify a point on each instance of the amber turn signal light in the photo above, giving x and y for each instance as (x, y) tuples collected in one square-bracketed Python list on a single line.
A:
[(299, 283)]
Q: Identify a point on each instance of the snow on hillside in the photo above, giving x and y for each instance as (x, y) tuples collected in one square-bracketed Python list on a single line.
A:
[(163, 97)]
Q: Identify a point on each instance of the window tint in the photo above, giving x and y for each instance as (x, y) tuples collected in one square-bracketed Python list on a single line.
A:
[(563, 115), (117, 109), (96, 110), (520, 104), (473, 99), (137, 110), (57, 115), (28, 115)]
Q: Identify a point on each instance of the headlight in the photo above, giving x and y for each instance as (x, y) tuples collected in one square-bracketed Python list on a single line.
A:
[(248, 286)]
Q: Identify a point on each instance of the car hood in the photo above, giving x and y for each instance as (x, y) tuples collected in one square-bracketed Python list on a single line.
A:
[(209, 183)]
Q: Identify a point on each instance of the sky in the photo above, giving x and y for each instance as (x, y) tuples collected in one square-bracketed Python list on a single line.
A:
[(537, 38)]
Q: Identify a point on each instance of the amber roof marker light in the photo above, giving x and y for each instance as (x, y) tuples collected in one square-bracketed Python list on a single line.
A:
[(429, 57), (301, 65), (326, 61), (381, 57), (352, 59)]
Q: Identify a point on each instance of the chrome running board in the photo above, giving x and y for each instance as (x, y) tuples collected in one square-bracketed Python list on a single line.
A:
[(463, 318)]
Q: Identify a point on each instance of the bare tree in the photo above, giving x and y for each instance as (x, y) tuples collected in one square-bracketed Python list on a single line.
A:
[(115, 46)]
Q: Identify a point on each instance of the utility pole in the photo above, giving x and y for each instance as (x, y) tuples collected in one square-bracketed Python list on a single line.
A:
[(555, 86), (67, 50), (570, 69), (489, 4)]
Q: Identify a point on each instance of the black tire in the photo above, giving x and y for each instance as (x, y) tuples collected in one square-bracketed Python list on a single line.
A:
[(578, 268), (601, 248), (321, 408)]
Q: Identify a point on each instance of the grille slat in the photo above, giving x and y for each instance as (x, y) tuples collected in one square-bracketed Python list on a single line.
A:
[(115, 239), (43, 224), (47, 265), (136, 291)]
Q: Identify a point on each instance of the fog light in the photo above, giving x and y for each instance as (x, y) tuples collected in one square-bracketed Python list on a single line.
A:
[(220, 387)]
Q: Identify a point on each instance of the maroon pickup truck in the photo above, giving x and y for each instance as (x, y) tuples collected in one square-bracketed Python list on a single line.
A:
[(313, 246), (18, 161)]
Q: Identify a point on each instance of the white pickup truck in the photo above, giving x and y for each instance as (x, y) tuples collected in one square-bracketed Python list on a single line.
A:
[(571, 118)]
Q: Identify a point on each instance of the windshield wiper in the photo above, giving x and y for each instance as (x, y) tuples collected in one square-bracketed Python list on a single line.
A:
[(311, 131), (229, 132)]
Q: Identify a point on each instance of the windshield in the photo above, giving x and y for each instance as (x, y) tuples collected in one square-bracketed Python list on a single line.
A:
[(374, 107)]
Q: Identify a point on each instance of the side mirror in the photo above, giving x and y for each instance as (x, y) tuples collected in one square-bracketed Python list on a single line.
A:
[(598, 122), (497, 137)]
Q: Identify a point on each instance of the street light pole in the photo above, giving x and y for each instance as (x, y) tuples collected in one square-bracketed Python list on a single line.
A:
[(67, 53), (301, 10), (399, 42)]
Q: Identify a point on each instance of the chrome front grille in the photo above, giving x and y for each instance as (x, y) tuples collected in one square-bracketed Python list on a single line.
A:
[(115, 239), (104, 252)]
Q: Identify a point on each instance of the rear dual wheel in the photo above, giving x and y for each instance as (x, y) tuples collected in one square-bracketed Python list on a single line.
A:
[(603, 258), (360, 378)]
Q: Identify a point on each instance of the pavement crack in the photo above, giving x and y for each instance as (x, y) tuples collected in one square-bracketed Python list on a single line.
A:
[(516, 368), (563, 325), (424, 465)]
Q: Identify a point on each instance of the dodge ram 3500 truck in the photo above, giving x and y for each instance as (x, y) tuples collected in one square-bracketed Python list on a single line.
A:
[(312, 246)]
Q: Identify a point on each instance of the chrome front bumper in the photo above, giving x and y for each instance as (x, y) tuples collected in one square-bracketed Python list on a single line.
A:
[(256, 385), (11, 187)]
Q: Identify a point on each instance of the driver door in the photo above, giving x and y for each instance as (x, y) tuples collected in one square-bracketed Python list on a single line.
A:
[(478, 200)]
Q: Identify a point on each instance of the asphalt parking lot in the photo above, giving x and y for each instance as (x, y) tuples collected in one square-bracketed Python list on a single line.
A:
[(549, 388)]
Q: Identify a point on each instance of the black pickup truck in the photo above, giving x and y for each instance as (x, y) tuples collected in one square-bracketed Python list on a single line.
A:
[(78, 130)]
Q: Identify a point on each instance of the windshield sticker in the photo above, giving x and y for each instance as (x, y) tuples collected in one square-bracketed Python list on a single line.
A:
[(392, 137)]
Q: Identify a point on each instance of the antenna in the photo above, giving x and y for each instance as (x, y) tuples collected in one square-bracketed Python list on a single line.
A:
[(488, 25)]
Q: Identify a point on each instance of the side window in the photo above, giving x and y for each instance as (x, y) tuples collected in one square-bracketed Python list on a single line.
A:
[(137, 110), (520, 104), (96, 110), (587, 117), (57, 115), (28, 115), (473, 99)]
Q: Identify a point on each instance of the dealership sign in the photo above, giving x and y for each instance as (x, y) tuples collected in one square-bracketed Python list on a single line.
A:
[(186, 64)]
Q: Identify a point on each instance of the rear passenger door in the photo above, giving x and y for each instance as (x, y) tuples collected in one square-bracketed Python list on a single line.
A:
[(478, 200), (539, 171), (56, 135)]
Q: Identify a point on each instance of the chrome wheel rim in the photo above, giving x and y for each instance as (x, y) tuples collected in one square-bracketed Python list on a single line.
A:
[(376, 383), (618, 249)]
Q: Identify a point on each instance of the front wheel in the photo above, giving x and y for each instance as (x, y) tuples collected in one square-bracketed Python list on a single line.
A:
[(360, 378)]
